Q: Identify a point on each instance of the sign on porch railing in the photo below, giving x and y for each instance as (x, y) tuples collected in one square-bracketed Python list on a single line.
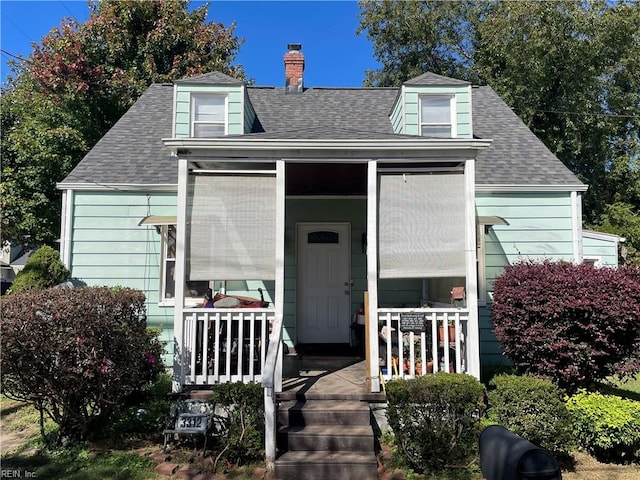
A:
[(419, 342), (225, 345)]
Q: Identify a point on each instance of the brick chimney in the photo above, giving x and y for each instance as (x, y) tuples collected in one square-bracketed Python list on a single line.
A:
[(293, 68)]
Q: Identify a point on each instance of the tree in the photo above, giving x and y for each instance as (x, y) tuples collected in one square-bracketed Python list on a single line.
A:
[(43, 270), (78, 82), (568, 69), (558, 321), (76, 354), (410, 38)]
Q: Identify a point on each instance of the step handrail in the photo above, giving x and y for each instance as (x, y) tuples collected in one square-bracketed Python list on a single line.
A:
[(270, 386)]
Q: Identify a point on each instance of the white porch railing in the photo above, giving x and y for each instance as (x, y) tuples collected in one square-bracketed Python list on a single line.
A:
[(440, 347), (225, 345)]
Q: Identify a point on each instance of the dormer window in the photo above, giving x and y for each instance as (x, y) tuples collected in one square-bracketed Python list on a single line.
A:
[(437, 113), (208, 118)]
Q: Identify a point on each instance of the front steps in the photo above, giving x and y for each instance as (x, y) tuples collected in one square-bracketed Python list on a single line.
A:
[(325, 440)]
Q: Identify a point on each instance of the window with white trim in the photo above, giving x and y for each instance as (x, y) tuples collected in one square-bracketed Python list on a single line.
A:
[(437, 113), (194, 290), (208, 115)]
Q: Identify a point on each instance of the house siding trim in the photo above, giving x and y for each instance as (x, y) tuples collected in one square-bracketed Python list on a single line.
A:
[(66, 227), (576, 214)]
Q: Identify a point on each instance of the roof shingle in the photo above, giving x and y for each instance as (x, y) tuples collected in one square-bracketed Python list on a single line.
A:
[(132, 152)]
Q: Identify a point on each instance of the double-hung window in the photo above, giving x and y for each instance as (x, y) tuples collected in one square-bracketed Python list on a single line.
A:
[(208, 115), (437, 113)]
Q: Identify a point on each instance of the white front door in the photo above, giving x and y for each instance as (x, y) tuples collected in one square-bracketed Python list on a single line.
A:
[(324, 283)]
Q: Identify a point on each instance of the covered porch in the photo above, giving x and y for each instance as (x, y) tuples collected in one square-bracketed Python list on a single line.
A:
[(408, 216)]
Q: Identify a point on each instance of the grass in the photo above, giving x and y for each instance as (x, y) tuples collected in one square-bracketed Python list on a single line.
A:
[(21, 443), (80, 464), (625, 388), (22, 453)]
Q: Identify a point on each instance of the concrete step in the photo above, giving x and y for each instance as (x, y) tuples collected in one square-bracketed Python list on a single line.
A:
[(331, 438), (319, 412), (324, 465)]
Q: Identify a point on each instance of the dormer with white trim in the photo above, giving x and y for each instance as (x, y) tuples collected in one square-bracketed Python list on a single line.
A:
[(433, 106), (211, 105)]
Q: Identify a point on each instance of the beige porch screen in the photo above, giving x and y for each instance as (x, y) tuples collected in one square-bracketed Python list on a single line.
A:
[(421, 225), (231, 227)]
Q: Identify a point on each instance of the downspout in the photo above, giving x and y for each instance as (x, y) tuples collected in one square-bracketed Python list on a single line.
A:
[(473, 329), (179, 357), (372, 275)]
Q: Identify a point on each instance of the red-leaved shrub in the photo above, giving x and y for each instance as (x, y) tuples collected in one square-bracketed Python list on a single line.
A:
[(574, 324), (77, 354)]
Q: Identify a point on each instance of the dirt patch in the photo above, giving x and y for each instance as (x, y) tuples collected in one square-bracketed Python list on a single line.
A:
[(587, 468), (16, 429)]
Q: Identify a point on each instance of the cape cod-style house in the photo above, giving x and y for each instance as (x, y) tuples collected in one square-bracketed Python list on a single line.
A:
[(368, 216)]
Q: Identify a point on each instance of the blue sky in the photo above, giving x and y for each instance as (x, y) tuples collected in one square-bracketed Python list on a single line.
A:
[(334, 55)]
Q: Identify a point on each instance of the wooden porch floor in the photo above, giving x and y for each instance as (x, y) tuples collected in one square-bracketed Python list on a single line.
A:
[(329, 378)]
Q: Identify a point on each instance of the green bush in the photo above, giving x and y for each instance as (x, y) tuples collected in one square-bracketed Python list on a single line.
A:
[(77, 354), (243, 406), (532, 408), (607, 426), (43, 270), (436, 419), (144, 411)]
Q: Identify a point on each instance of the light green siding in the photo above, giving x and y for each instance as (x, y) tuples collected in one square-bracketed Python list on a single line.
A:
[(397, 115), (108, 248), (540, 227), (235, 107), (462, 95), (605, 250)]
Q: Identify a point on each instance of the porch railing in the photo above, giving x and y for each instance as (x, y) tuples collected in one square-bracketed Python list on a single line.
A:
[(439, 347), (226, 345)]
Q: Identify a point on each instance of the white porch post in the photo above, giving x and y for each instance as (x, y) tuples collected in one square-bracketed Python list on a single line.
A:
[(472, 341), (280, 230), (179, 357), (372, 272)]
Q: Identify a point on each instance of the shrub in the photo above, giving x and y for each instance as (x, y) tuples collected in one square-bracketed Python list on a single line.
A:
[(43, 270), (76, 354), (532, 408), (574, 324), (144, 411), (436, 419), (606, 425), (243, 406)]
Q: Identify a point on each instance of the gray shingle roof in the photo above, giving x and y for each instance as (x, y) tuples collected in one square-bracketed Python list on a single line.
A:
[(516, 155), (217, 78), (132, 152), (430, 78)]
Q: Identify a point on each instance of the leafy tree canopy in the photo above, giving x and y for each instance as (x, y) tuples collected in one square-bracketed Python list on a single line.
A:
[(568, 69), (78, 82)]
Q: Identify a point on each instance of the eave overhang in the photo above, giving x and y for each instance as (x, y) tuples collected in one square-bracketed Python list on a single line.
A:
[(518, 188), (124, 187), (325, 148)]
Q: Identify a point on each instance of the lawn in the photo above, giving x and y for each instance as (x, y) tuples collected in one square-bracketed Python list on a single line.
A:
[(20, 441)]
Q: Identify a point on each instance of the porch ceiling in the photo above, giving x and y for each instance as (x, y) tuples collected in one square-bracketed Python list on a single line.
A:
[(326, 179)]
